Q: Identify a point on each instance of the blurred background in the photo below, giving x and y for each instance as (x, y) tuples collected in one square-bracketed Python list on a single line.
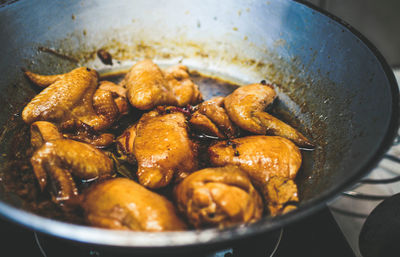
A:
[(379, 21)]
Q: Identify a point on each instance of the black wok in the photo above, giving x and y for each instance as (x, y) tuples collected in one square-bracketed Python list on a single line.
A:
[(337, 85)]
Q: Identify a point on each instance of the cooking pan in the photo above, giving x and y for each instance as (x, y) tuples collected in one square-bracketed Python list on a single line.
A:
[(335, 83)]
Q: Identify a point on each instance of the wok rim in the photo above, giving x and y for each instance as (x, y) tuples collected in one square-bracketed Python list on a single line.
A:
[(213, 236)]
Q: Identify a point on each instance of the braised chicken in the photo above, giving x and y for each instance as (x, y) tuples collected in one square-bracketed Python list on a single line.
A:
[(124, 204), (72, 101), (42, 132), (70, 97), (218, 197), (57, 160), (264, 159), (125, 144), (246, 108), (119, 95), (149, 87), (212, 119), (146, 86), (244, 171), (183, 88), (160, 143)]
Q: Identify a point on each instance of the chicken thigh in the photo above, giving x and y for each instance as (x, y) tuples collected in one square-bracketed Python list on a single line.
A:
[(55, 161), (218, 197), (268, 160), (246, 108), (124, 204), (161, 146)]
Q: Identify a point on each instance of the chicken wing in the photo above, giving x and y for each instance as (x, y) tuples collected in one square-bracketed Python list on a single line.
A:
[(70, 97), (57, 159), (118, 93), (42, 132), (149, 87), (212, 119), (124, 204), (160, 143), (246, 105), (183, 88), (268, 160), (125, 144), (220, 197)]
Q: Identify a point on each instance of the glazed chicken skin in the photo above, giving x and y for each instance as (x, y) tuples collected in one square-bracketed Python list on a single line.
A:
[(211, 119), (246, 108), (124, 204), (149, 87), (119, 95), (183, 88), (125, 144), (57, 160), (268, 160), (218, 197), (71, 98), (161, 146), (42, 132)]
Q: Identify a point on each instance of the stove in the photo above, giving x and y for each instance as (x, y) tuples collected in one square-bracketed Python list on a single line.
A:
[(315, 236)]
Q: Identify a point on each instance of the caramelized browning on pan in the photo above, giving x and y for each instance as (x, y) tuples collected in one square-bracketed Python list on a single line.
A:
[(186, 163)]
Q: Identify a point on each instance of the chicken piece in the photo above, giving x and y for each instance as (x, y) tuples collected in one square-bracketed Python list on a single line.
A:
[(42, 132), (118, 92), (125, 143), (121, 203), (183, 88), (245, 107), (218, 197), (119, 95), (212, 119), (149, 87), (42, 80), (160, 143), (101, 106), (56, 160), (86, 135), (268, 160), (281, 195), (70, 97)]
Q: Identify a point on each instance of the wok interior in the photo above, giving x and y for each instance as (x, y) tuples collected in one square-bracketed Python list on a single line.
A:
[(325, 76)]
